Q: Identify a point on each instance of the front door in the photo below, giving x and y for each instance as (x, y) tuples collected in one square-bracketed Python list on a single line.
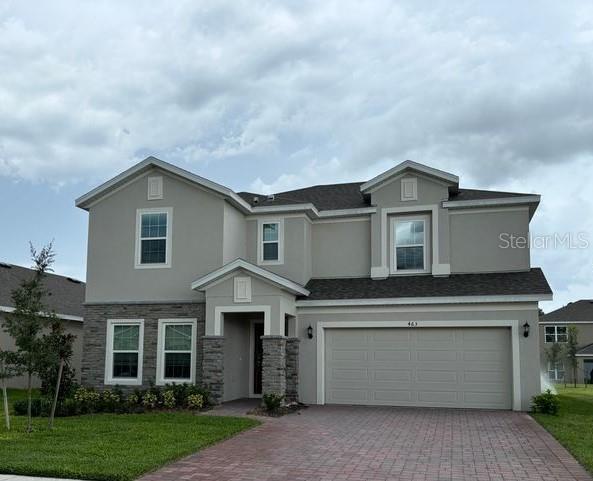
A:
[(258, 354)]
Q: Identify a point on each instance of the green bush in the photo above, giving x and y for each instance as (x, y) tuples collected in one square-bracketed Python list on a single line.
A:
[(272, 402), (39, 407), (545, 403), (169, 400), (195, 401)]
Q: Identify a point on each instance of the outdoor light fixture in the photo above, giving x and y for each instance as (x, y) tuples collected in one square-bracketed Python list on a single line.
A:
[(526, 329), (310, 332)]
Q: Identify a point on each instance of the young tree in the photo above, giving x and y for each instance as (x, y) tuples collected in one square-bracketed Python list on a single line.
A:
[(570, 351), (57, 377), (26, 322), (553, 354), (8, 368)]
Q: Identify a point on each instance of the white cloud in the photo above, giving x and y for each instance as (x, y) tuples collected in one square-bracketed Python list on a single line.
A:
[(273, 96)]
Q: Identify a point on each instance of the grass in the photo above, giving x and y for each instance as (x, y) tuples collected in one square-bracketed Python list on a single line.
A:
[(110, 447), (573, 426)]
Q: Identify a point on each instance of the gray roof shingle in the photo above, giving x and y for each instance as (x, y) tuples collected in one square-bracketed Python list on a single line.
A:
[(492, 284), (348, 196), (67, 295), (586, 351), (574, 311)]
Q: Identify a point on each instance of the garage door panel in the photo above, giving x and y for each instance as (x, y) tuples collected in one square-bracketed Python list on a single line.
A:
[(460, 367)]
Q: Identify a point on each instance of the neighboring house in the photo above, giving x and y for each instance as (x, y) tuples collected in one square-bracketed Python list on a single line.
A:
[(554, 329), (66, 298), (397, 291)]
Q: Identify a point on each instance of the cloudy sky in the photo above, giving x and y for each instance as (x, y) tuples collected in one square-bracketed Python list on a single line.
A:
[(269, 96)]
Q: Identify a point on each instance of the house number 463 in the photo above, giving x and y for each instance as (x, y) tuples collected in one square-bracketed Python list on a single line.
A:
[(413, 324)]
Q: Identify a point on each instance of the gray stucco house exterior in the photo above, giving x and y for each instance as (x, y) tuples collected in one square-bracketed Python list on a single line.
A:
[(66, 299), (554, 329), (403, 290)]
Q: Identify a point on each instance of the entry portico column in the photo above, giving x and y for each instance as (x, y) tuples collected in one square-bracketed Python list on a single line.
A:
[(274, 365), (213, 367)]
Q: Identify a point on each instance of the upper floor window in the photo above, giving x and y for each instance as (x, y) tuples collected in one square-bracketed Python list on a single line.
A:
[(153, 237), (556, 334), (271, 240), (176, 350), (125, 338), (409, 245)]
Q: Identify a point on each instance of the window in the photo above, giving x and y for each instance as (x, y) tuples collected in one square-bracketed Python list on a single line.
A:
[(556, 334), (409, 245), (153, 242), (556, 371), (124, 351), (177, 350), (271, 238)]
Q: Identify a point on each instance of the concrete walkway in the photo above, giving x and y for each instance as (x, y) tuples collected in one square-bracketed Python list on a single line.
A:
[(16, 477)]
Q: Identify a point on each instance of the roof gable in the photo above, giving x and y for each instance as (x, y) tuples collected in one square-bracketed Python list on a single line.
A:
[(283, 283), (409, 166), (85, 201)]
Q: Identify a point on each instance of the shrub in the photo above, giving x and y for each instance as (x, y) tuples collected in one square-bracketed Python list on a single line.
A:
[(150, 400), (39, 407), (272, 401), (169, 400), (195, 401), (88, 399), (133, 399), (545, 403), (110, 400)]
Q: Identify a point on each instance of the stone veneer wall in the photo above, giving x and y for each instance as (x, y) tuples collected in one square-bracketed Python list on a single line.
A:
[(274, 365), (95, 331), (292, 369), (213, 367)]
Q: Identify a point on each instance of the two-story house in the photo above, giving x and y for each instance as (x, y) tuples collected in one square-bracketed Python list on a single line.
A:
[(554, 330), (402, 290)]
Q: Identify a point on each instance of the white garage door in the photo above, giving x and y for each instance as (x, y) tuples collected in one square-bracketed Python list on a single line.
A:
[(440, 367)]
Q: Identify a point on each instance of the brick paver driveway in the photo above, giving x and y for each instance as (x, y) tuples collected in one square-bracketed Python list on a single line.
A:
[(377, 444)]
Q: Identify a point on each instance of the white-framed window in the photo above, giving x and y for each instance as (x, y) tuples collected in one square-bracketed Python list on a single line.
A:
[(153, 237), (270, 241), (556, 371), (176, 358), (555, 334), (124, 351), (410, 245)]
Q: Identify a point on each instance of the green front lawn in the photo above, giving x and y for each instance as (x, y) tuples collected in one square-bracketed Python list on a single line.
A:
[(110, 446), (16, 395), (573, 426)]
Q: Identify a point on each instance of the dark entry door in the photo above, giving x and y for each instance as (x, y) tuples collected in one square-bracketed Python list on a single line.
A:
[(258, 354), (589, 371)]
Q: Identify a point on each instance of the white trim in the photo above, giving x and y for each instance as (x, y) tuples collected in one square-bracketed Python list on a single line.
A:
[(520, 199), (168, 247), (220, 310), (109, 379), (203, 282), (160, 358), (489, 210), (409, 164), (347, 212), (260, 242), (341, 220), (418, 209), (424, 300), (513, 324), (584, 355), (87, 199), (241, 289), (393, 247), (546, 323), (65, 317), (155, 187), (556, 370), (252, 324)]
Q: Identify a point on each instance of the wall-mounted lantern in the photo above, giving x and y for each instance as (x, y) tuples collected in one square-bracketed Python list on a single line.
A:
[(526, 329), (310, 332)]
